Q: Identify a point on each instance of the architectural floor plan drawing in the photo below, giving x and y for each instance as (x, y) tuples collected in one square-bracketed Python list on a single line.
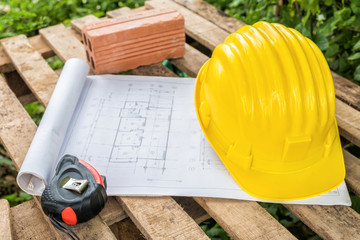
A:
[(146, 132)]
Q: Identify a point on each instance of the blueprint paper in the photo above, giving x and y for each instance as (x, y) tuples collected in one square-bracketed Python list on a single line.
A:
[(40, 158), (142, 133)]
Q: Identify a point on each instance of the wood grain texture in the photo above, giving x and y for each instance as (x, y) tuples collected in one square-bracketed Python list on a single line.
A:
[(348, 120), (78, 24), (34, 70), (126, 230), (16, 83), (161, 218), (5, 220), (329, 222), (63, 42), (27, 221), (119, 12), (37, 43), (244, 219), (192, 208), (191, 62), (212, 14), (347, 91), (196, 26), (156, 69), (352, 165), (112, 212), (17, 129)]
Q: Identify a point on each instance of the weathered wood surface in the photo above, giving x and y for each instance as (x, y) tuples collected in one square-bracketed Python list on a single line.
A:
[(161, 218), (192, 208), (27, 221), (31, 66), (348, 120), (329, 222), (212, 14), (63, 42), (352, 164), (5, 223), (17, 129), (112, 212), (126, 230), (195, 25), (18, 86), (244, 219), (78, 24), (37, 43)]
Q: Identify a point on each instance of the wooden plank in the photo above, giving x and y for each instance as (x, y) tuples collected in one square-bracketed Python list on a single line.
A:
[(27, 221), (16, 84), (161, 218), (5, 220), (112, 212), (347, 91), (119, 12), (78, 24), (348, 120), (16, 127), (352, 164), (126, 230), (191, 62), (34, 70), (244, 219), (195, 26), (329, 222), (63, 42), (36, 41), (93, 229), (156, 69), (212, 14), (192, 208)]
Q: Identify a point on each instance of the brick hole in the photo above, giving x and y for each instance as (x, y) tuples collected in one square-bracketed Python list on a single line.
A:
[(84, 39), (87, 56), (92, 63), (89, 45)]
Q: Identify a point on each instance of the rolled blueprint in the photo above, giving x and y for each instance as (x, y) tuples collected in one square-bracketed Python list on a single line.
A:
[(42, 155)]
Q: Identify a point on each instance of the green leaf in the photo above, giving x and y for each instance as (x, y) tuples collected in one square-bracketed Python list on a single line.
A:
[(332, 50), (354, 57), (356, 46), (357, 73), (321, 41)]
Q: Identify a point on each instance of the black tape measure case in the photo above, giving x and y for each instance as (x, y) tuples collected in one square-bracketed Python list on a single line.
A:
[(76, 193)]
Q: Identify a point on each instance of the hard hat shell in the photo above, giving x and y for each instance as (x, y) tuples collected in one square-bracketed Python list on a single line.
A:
[(265, 100)]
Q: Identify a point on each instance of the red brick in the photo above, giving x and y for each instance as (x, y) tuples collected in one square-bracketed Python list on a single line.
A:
[(158, 34)]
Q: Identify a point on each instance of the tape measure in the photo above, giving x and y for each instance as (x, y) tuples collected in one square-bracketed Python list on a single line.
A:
[(76, 193)]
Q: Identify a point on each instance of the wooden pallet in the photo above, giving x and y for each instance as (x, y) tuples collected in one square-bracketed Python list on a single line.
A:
[(27, 77)]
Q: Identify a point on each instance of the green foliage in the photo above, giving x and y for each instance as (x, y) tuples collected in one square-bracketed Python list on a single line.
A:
[(27, 17), (35, 110), (17, 198), (333, 25), (214, 231)]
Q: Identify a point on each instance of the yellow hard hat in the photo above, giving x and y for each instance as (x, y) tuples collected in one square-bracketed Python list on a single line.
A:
[(265, 100)]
